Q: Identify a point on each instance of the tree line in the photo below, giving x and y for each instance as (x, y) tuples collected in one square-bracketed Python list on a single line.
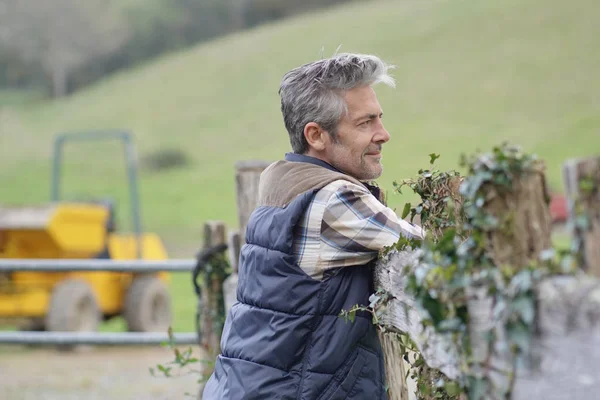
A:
[(60, 46)]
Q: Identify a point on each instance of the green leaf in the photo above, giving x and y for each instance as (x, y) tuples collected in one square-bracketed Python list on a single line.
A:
[(418, 362), (406, 210), (164, 370), (519, 335), (525, 307), (373, 299), (587, 186), (477, 388), (352, 316), (547, 254), (452, 388), (452, 324), (433, 157)]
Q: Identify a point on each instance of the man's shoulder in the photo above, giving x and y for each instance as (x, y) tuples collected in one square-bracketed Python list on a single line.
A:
[(341, 187), (283, 181)]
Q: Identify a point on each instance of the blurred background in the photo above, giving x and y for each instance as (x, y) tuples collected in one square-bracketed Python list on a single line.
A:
[(195, 82)]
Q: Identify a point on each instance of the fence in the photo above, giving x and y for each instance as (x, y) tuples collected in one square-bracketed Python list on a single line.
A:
[(97, 338), (564, 305), (216, 296)]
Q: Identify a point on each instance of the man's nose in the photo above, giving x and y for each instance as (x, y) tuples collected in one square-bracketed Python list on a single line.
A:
[(382, 135)]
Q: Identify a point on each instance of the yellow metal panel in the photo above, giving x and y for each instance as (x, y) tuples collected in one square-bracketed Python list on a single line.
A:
[(29, 244), (124, 247), (32, 303), (79, 230), (108, 288)]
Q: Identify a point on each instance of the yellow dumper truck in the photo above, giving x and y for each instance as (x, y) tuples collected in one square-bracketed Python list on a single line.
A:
[(79, 301)]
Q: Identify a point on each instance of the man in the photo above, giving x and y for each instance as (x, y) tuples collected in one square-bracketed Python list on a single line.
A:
[(310, 246)]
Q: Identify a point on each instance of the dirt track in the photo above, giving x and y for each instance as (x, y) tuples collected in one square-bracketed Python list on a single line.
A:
[(93, 374)]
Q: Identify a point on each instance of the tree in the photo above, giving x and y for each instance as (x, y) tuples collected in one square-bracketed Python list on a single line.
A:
[(60, 35)]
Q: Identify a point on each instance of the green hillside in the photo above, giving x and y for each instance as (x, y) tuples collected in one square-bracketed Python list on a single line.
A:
[(470, 75)]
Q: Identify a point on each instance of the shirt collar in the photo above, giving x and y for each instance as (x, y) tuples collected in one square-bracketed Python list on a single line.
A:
[(295, 157)]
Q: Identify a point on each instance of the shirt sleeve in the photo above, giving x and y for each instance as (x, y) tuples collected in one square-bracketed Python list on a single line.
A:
[(356, 226)]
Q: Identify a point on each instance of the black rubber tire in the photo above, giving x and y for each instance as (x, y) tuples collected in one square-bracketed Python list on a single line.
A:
[(147, 305), (73, 308)]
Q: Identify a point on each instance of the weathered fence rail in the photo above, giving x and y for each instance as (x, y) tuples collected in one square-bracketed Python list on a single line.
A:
[(94, 338), (565, 353), (85, 265)]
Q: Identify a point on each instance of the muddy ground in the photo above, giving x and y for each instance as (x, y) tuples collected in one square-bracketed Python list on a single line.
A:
[(119, 373)]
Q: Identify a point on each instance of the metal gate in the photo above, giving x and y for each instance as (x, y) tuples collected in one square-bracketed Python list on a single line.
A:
[(97, 338)]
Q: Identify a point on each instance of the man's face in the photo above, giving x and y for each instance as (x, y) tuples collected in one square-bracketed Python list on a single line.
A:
[(360, 136)]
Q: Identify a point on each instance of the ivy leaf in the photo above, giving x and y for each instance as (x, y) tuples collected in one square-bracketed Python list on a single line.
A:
[(406, 210), (477, 388), (352, 316), (165, 370), (522, 281), (587, 186), (373, 300), (452, 324), (452, 389), (547, 254), (519, 335), (524, 306), (433, 157)]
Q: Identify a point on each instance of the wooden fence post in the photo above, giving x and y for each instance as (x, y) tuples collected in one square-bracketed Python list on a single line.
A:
[(212, 313), (230, 284), (395, 370), (525, 214), (247, 179), (398, 383), (582, 181)]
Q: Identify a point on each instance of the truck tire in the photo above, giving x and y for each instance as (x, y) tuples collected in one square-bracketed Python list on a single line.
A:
[(147, 305), (73, 308)]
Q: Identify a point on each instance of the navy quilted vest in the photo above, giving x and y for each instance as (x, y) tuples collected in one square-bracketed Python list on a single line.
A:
[(283, 338)]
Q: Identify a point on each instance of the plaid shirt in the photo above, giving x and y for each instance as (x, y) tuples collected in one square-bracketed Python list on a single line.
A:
[(346, 225)]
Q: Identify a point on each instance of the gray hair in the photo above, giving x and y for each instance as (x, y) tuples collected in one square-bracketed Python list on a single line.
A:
[(314, 92)]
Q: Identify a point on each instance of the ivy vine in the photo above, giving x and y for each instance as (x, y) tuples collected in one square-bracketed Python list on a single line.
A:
[(455, 262), (455, 265)]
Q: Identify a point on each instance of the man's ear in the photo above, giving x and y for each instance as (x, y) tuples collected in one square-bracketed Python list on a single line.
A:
[(315, 136)]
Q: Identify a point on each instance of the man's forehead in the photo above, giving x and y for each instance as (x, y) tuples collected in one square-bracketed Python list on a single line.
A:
[(363, 96), (362, 103)]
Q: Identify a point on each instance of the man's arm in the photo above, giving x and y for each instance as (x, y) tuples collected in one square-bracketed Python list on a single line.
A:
[(356, 226)]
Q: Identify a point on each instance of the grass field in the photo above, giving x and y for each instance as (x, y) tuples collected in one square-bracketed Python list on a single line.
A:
[(470, 75)]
